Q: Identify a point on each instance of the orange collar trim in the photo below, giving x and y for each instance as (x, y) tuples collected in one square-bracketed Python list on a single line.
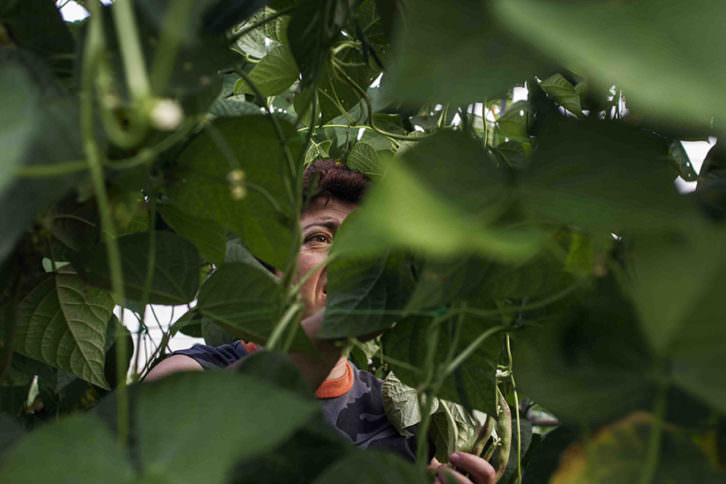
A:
[(329, 388), (337, 387)]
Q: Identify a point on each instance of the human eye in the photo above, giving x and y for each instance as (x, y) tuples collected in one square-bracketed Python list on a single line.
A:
[(319, 238)]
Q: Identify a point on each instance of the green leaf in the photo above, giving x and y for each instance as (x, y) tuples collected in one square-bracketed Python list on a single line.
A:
[(62, 322), (682, 161), (438, 208), (229, 107), (252, 44), (673, 68), (262, 218), (372, 467), (513, 122), (472, 384), (624, 445), (465, 54), (666, 303), (207, 236), (300, 459), (273, 74), (563, 92), (245, 300), (37, 26), (364, 159), (365, 295), (16, 119), (55, 139), (74, 449), (589, 349), (310, 33), (175, 274), (177, 413), (602, 175), (400, 402), (441, 281)]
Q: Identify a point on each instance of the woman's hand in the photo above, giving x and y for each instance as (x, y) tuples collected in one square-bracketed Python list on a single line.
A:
[(462, 463)]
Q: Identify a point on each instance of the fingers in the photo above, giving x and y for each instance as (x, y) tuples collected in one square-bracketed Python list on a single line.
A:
[(479, 469), (447, 475)]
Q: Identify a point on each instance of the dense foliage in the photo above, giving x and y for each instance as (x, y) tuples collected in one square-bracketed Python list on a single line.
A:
[(527, 258)]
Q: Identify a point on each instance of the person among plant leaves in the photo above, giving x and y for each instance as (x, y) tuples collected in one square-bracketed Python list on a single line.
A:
[(351, 398)]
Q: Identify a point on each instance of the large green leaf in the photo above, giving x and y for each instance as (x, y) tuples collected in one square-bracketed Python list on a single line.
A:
[(263, 217), (676, 285), (16, 118), (63, 322), (441, 281), (372, 467), (246, 416), (439, 208), (591, 351), (311, 31), (365, 295), (54, 139), (602, 175), (37, 26), (175, 274), (472, 384), (72, 450), (273, 74), (245, 300), (623, 445), (457, 52), (667, 302), (668, 56), (207, 236), (364, 159)]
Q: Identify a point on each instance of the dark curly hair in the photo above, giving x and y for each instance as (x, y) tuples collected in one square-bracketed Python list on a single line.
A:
[(331, 178)]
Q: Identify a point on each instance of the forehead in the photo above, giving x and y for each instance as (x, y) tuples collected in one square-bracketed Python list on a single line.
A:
[(327, 209)]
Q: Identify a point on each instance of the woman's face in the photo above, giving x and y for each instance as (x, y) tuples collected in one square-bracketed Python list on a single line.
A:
[(319, 224)]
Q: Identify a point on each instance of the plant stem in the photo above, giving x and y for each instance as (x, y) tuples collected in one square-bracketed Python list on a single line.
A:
[(279, 329), (516, 409), (175, 23), (149, 279), (461, 357), (656, 436), (427, 392), (131, 53), (94, 160)]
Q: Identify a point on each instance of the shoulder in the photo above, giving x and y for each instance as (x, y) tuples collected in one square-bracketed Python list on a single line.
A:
[(210, 357)]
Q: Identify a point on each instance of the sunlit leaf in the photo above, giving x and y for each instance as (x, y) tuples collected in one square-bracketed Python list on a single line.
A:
[(563, 92), (363, 158), (624, 445), (273, 75), (439, 208)]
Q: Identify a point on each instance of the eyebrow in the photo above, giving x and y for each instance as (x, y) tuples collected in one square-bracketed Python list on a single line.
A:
[(331, 225)]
